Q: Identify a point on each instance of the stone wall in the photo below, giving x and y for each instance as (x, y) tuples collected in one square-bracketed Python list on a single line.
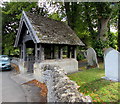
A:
[(20, 63), (69, 65), (60, 87)]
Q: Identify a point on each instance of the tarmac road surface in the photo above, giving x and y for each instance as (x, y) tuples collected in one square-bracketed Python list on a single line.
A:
[(11, 91)]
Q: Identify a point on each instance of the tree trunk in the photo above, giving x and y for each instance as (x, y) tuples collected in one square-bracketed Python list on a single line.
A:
[(104, 15), (67, 9), (88, 19), (71, 12), (103, 28)]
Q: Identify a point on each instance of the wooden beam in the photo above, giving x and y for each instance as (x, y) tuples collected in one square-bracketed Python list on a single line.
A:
[(52, 51), (24, 51), (74, 51), (69, 52), (27, 38), (60, 53), (36, 52), (21, 52), (42, 55), (30, 28), (51, 55)]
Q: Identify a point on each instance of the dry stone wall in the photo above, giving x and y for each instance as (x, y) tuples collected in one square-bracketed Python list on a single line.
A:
[(60, 87), (21, 64)]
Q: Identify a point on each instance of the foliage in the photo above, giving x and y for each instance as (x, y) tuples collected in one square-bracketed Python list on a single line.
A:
[(99, 45), (112, 37), (29, 51), (80, 56), (90, 21), (11, 13), (86, 19), (55, 16), (91, 84)]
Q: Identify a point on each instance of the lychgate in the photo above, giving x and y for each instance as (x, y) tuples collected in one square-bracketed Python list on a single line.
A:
[(42, 39)]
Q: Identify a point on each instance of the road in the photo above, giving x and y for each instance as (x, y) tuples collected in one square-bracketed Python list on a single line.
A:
[(11, 91)]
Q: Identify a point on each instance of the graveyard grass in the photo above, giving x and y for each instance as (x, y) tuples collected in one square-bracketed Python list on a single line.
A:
[(92, 84)]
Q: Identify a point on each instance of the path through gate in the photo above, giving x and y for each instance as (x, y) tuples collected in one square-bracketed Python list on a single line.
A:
[(30, 63)]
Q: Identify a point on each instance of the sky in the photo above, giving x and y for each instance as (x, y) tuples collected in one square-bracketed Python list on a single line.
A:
[(3, 1)]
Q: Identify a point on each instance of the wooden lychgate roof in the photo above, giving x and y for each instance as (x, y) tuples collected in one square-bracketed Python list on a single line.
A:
[(47, 30)]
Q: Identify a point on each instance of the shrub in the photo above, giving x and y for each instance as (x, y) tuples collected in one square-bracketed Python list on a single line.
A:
[(80, 56), (99, 46)]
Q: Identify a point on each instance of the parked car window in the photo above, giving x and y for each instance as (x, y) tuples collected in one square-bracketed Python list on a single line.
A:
[(4, 58)]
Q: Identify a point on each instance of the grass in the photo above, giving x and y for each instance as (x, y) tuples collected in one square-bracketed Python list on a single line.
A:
[(92, 84)]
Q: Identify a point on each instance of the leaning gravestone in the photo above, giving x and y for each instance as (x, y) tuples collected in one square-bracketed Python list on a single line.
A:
[(91, 58), (112, 64)]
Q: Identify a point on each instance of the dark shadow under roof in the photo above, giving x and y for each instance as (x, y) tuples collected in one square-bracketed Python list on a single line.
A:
[(53, 32)]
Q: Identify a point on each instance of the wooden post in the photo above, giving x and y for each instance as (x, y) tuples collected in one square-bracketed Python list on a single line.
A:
[(52, 52), (21, 52), (51, 55), (36, 52), (24, 51), (42, 56), (56, 52), (74, 51), (60, 52), (69, 52)]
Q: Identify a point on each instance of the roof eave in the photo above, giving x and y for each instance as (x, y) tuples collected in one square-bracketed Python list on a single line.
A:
[(24, 16)]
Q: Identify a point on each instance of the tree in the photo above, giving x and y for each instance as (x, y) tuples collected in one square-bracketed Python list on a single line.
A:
[(11, 14), (90, 21), (104, 14), (95, 16), (71, 12)]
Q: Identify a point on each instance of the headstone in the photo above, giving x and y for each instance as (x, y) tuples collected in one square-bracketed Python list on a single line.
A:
[(91, 58), (112, 64)]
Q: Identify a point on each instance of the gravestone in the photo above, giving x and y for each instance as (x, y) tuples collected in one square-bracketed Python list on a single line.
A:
[(112, 64), (91, 58)]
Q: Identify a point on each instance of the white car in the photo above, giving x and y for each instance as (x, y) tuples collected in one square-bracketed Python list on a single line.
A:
[(5, 63)]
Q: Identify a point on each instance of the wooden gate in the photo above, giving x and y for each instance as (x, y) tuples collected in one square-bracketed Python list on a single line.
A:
[(30, 63)]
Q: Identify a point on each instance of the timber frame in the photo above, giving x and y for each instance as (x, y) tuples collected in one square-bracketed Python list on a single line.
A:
[(27, 38)]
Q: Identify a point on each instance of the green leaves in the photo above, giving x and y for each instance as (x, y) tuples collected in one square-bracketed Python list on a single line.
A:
[(11, 14)]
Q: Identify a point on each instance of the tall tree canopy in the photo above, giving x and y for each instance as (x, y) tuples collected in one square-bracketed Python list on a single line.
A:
[(90, 21)]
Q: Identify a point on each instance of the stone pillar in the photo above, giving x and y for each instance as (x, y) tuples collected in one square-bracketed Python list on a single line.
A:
[(60, 52)]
